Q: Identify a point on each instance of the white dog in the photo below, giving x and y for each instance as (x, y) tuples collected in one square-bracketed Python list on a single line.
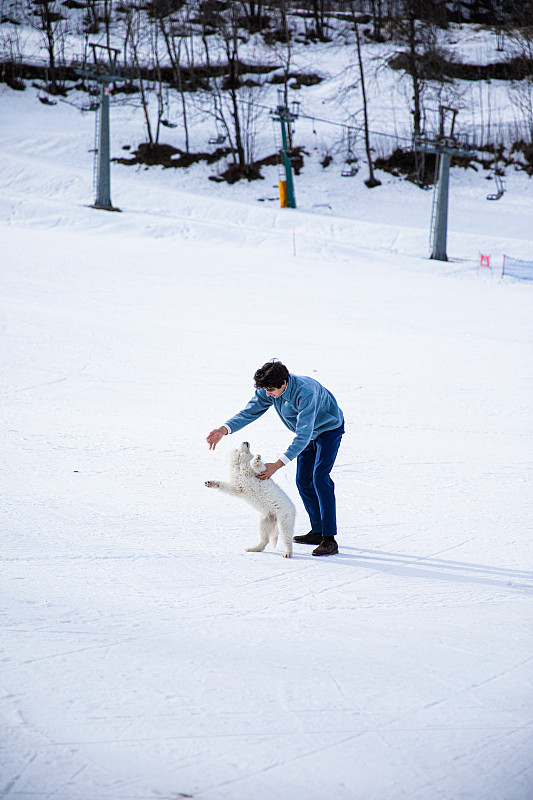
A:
[(276, 510)]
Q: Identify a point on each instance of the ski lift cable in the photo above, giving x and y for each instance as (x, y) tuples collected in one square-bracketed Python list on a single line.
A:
[(343, 125)]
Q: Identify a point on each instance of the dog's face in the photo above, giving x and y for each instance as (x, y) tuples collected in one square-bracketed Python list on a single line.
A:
[(242, 458)]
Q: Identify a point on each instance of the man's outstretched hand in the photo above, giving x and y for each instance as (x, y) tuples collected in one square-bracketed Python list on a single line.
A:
[(215, 436)]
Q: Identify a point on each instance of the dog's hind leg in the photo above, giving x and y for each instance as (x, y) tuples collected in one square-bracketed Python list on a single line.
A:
[(286, 528), (267, 532), (273, 530)]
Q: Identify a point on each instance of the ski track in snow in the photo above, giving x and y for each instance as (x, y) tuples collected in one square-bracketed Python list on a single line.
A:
[(144, 654)]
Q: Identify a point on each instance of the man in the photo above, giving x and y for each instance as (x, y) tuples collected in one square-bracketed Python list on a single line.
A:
[(309, 410)]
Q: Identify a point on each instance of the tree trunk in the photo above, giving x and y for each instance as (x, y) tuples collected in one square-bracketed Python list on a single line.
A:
[(372, 180), (175, 60), (233, 78), (413, 67)]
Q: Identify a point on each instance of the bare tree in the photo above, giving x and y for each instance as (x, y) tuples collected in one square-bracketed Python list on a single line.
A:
[(107, 19), (377, 19), (174, 37), (49, 20), (417, 32), (372, 180), (253, 13), (521, 43), (412, 32), (283, 50), (140, 41), (284, 7), (10, 46), (320, 10), (227, 97), (92, 18), (231, 47)]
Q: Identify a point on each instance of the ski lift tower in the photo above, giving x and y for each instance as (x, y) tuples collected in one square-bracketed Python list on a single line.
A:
[(104, 71), (444, 145), (286, 116)]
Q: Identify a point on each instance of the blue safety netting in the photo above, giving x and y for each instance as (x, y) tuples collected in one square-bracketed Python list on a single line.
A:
[(517, 268)]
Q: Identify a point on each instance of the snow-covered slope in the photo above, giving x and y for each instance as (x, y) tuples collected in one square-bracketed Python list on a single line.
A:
[(145, 654)]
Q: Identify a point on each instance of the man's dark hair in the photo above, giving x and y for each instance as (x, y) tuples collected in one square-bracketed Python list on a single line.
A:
[(271, 375)]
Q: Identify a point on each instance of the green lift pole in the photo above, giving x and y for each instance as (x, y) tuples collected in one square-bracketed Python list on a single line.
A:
[(285, 116)]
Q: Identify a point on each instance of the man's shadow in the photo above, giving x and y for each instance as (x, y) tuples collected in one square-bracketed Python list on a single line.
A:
[(435, 568)]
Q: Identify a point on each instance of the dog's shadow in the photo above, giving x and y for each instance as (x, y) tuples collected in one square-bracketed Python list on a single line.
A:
[(429, 567)]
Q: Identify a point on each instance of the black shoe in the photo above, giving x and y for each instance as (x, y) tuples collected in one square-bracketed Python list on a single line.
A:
[(309, 538), (327, 547)]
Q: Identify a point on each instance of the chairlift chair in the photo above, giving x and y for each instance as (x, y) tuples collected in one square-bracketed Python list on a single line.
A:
[(92, 105), (351, 167), (349, 170), (315, 138), (166, 119), (500, 189), (44, 94), (219, 137), (45, 99)]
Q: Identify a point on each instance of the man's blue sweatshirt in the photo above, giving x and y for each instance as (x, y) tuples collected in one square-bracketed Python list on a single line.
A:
[(306, 407)]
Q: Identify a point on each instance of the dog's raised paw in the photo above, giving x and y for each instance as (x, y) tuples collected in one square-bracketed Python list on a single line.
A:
[(212, 484)]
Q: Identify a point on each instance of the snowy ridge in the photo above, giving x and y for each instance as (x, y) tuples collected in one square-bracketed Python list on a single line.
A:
[(317, 230)]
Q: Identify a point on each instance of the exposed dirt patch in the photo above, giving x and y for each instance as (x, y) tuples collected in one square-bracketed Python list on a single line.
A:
[(420, 168), (405, 163), (296, 156), (192, 78), (435, 65), (236, 173), (527, 156), (298, 79), (165, 155)]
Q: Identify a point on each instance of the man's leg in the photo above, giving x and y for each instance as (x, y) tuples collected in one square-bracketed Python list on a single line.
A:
[(305, 467), (327, 447)]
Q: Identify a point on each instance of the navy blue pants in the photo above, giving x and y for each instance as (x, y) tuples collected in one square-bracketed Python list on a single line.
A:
[(316, 488)]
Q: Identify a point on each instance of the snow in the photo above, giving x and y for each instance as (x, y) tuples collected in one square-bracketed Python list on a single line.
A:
[(144, 653)]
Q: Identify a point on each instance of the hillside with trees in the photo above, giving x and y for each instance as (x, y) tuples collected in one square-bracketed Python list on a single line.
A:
[(230, 62)]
